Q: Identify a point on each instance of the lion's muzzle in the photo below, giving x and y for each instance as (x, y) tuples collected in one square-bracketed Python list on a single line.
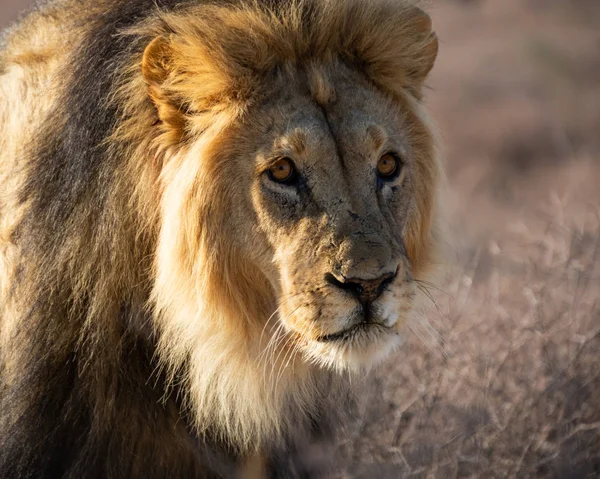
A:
[(365, 290)]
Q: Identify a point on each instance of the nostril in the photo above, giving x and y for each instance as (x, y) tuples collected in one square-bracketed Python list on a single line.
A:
[(366, 291), (355, 288), (331, 279), (387, 281)]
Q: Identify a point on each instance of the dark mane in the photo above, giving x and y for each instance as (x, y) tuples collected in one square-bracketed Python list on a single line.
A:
[(74, 387)]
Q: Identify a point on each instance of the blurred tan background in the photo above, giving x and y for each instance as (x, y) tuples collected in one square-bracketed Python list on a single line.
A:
[(9, 9), (500, 373)]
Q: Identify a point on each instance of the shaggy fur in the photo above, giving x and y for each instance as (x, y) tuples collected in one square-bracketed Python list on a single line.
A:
[(164, 305)]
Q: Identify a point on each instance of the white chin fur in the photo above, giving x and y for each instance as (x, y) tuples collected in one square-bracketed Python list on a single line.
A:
[(358, 355)]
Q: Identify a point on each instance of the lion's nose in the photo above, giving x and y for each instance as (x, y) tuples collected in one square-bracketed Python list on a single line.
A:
[(365, 290)]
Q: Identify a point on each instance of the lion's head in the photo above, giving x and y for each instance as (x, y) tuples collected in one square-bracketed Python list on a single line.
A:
[(298, 190)]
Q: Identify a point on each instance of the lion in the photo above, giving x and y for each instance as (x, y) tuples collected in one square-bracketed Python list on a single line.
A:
[(213, 214)]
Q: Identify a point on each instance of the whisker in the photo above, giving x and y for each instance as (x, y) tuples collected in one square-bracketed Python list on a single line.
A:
[(427, 293), (283, 365), (435, 341), (272, 347), (268, 320), (279, 343), (434, 286), (425, 341), (276, 363), (293, 350)]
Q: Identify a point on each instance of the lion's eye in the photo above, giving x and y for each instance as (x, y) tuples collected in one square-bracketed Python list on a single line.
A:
[(388, 166), (282, 171)]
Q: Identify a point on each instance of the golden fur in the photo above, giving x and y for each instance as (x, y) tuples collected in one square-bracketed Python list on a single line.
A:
[(228, 270)]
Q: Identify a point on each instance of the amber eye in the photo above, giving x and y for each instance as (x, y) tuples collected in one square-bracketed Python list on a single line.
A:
[(282, 171), (388, 166)]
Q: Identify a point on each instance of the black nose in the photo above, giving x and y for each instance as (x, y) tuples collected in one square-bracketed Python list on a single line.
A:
[(365, 290)]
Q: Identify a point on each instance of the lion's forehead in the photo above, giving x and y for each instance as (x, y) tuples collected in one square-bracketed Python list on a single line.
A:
[(326, 139)]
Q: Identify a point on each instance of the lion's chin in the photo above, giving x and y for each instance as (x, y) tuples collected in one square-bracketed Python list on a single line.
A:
[(356, 349)]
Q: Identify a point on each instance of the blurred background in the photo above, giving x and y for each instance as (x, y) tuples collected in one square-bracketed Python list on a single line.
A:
[(500, 373), (10, 9)]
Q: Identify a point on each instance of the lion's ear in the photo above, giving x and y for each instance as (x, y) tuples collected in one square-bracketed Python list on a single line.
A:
[(158, 73), (157, 61), (428, 46), (398, 47)]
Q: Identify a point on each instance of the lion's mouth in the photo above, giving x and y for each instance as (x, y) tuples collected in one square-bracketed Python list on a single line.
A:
[(351, 332)]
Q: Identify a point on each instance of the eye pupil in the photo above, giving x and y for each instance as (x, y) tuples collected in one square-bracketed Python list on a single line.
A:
[(282, 170), (387, 166)]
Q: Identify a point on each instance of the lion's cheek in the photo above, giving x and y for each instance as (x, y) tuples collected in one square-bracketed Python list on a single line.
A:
[(395, 306)]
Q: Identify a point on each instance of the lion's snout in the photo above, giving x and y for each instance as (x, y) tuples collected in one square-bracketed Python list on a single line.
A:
[(364, 255), (365, 290)]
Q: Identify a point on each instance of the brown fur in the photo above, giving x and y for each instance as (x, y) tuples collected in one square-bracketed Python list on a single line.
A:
[(180, 241)]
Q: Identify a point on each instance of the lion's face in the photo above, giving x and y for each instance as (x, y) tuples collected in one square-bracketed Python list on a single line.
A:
[(324, 191), (300, 179)]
